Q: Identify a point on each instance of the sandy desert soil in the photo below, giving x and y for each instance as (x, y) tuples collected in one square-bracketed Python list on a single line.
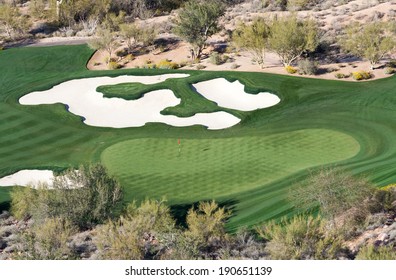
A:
[(332, 19)]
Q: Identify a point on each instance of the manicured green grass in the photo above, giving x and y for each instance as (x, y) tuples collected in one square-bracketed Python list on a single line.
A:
[(248, 167), (201, 169)]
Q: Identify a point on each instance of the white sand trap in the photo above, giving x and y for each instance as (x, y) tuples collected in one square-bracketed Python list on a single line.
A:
[(27, 177), (82, 99), (233, 95)]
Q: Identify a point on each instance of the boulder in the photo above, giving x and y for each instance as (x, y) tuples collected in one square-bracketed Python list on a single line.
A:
[(382, 237)]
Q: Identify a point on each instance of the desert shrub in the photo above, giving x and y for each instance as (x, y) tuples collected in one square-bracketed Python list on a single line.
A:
[(335, 192), (48, 240), (196, 60), (130, 57), (361, 75), (332, 69), (166, 64), (114, 65), (141, 232), (391, 63), (339, 75), (370, 252), (234, 66), (301, 238), (206, 222), (290, 69), (183, 63), (85, 197), (21, 201), (243, 245), (307, 67), (205, 236), (297, 5), (200, 67), (149, 66), (215, 58), (121, 53), (383, 199), (389, 70)]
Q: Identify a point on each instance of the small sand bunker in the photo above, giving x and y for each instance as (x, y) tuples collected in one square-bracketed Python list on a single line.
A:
[(27, 177), (82, 99), (233, 95)]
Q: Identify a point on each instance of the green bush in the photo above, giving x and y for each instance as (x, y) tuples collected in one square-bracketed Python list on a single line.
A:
[(114, 65), (308, 67), (85, 197)]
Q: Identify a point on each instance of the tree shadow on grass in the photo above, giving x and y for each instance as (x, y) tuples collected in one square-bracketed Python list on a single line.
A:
[(5, 206), (179, 211)]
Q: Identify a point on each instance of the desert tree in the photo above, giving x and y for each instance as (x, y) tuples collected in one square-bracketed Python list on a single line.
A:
[(370, 41), (37, 8), (133, 34), (105, 40), (85, 197), (254, 38), (70, 11), (301, 238), (290, 37), (130, 32), (140, 233), (206, 228), (197, 21), (47, 240), (334, 191), (12, 22)]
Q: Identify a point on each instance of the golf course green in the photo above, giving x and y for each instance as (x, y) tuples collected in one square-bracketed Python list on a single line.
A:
[(249, 167)]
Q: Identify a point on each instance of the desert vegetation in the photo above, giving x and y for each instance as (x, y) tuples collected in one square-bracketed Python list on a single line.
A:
[(149, 230), (308, 37)]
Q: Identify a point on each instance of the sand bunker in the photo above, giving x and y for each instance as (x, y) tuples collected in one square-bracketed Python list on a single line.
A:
[(27, 177), (82, 99), (233, 95)]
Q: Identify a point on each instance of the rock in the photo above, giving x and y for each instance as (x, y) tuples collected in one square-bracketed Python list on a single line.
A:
[(382, 237), (9, 249), (5, 215), (3, 244), (82, 244), (392, 235)]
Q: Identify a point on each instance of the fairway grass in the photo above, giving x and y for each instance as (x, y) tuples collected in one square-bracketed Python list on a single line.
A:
[(249, 167)]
